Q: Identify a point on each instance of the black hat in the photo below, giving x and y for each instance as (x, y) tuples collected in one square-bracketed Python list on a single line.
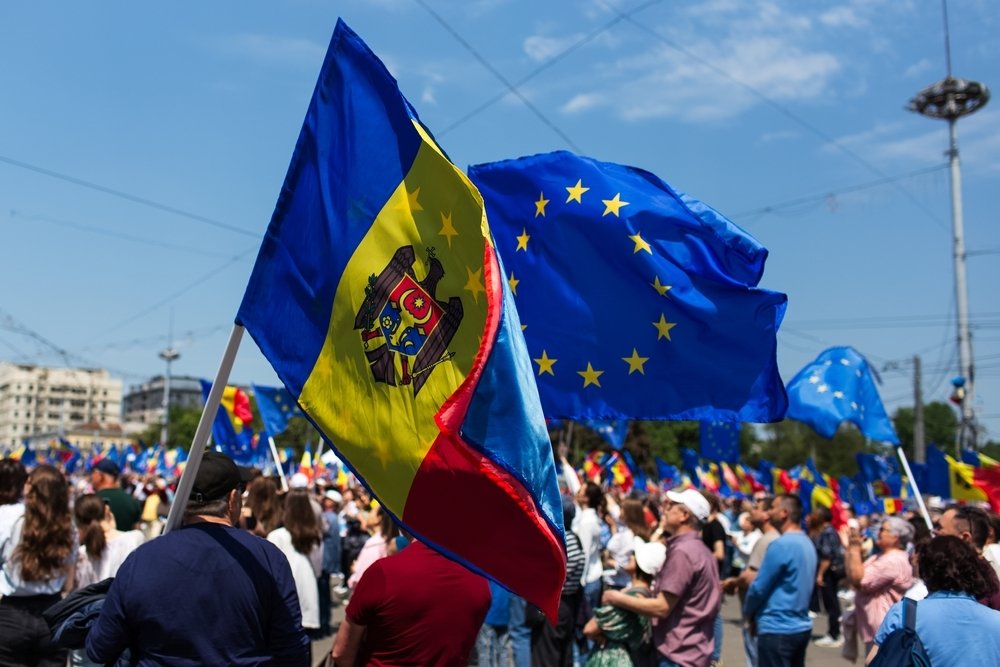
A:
[(217, 476), (108, 467)]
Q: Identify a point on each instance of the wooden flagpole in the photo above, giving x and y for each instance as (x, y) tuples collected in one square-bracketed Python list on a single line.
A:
[(204, 429)]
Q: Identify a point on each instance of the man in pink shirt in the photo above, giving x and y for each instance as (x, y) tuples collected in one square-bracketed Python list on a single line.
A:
[(686, 594)]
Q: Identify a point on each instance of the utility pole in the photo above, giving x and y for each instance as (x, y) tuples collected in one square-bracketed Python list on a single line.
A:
[(169, 355), (951, 99), (919, 444)]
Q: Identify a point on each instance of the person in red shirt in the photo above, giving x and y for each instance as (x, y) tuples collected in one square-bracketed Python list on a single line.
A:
[(417, 608)]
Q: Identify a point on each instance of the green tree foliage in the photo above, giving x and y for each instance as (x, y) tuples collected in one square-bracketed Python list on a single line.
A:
[(940, 426), (789, 443), (183, 424)]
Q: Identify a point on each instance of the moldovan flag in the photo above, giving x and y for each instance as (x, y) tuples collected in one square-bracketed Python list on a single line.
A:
[(380, 301)]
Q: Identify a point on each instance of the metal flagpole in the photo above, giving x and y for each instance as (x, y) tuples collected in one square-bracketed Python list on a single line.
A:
[(916, 491), (277, 463), (186, 482)]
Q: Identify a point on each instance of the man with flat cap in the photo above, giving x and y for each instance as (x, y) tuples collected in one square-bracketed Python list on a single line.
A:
[(206, 593)]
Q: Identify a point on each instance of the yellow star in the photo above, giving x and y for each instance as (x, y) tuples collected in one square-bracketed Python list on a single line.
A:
[(590, 376), (447, 228), (513, 282), (475, 283), (640, 244), (664, 327), (614, 205), (635, 362), (522, 240), (545, 363), (576, 192), (540, 205), (659, 287), (411, 202)]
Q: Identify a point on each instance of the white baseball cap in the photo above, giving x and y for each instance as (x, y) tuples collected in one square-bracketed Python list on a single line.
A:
[(693, 501), (649, 556), (298, 481), (335, 496)]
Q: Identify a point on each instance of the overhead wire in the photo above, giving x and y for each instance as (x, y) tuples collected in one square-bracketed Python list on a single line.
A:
[(121, 194), (846, 150), (500, 77)]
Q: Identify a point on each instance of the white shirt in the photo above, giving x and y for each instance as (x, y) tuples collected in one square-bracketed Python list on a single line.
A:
[(305, 570), (587, 527), (118, 548), (11, 525)]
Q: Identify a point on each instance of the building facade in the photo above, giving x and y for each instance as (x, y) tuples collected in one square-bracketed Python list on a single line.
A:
[(36, 399), (143, 404)]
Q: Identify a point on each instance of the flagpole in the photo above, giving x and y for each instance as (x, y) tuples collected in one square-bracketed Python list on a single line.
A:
[(277, 462), (203, 431), (916, 491)]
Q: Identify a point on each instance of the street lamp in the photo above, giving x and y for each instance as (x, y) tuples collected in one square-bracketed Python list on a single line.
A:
[(169, 355), (951, 99)]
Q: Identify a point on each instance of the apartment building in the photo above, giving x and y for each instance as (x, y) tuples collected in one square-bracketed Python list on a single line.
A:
[(35, 399), (143, 404)]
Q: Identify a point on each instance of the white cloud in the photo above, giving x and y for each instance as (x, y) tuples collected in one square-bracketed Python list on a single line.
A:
[(272, 48), (918, 68), (540, 48), (427, 96), (582, 102), (842, 17)]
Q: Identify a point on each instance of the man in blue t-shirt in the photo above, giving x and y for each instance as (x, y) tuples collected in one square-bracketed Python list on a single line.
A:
[(777, 603)]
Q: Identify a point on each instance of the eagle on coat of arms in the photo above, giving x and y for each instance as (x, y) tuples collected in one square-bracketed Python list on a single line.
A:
[(401, 318)]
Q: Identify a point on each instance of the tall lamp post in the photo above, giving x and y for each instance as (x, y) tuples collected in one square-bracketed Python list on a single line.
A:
[(169, 355), (951, 99)]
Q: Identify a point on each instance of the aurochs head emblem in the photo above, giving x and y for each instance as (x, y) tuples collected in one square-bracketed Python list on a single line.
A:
[(401, 319)]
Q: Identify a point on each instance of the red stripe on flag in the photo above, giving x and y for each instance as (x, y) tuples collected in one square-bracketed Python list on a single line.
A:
[(457, 488)]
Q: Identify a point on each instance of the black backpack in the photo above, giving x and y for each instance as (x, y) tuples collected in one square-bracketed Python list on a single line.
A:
[(902, 647)]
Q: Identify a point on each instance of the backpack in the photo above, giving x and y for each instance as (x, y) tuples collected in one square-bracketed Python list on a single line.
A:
[(902, 647)]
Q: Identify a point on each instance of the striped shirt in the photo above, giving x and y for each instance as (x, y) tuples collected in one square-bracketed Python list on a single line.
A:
[(575, 561)]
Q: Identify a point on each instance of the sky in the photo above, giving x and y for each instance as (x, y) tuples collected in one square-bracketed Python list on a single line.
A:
[(142, 148)]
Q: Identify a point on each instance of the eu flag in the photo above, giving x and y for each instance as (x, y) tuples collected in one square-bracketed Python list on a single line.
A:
[(276, 407), (838, 386), (720, 441), (379, 300), (637, 301), (613, 431)]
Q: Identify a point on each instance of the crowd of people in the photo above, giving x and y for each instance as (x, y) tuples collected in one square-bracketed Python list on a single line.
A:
[(254, 572)]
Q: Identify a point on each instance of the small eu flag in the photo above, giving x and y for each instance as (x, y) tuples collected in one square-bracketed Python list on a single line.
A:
[(720, 441), (637, 302), (276, 407), (838, 386)]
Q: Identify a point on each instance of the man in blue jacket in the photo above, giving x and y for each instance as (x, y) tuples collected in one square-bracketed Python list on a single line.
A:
[(205, 594), (777, 603)]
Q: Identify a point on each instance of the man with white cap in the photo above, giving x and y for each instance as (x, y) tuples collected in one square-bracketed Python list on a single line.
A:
[(686, 592)]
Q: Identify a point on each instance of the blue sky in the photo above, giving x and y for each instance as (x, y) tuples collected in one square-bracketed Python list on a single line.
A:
[(771, 112)]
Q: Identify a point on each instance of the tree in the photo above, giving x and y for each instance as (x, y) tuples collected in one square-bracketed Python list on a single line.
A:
[(789, 443), (940, 426)]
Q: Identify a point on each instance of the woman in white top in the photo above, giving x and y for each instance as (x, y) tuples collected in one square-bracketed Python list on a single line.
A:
[(621, 546), (103, 548), (37, 558), (383, 530), (587, 526), (301, 540)]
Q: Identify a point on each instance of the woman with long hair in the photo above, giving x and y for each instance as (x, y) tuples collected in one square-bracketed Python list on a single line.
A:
[(38, 551), (382, 529), (263, 506), (301, 540), (103, 548), (622, 543), (954, 628)]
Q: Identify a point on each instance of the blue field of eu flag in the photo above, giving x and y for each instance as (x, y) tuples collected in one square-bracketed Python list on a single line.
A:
[(838, 386), (637, 302), (719, 441), (276, 407)]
